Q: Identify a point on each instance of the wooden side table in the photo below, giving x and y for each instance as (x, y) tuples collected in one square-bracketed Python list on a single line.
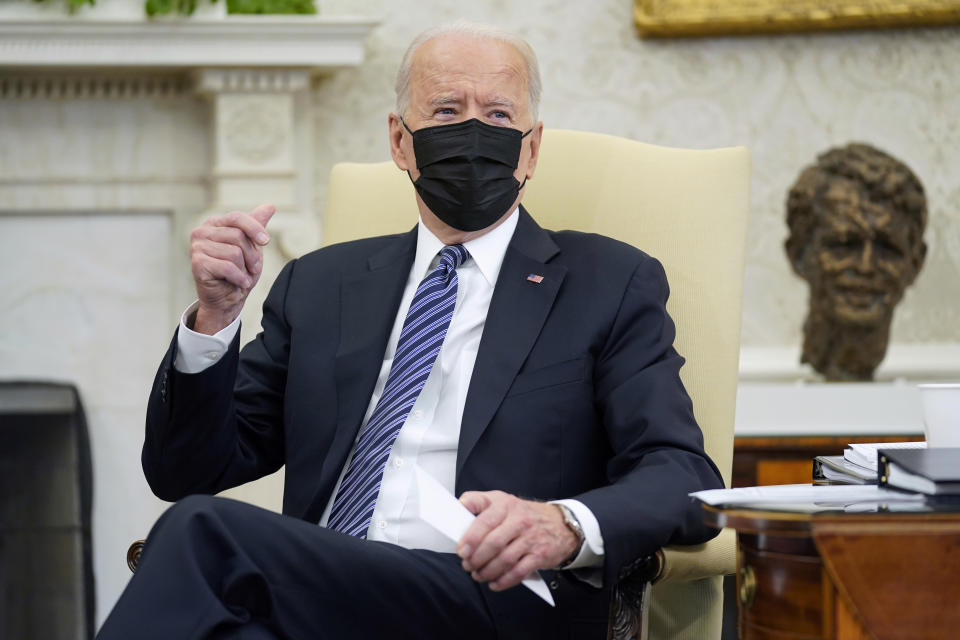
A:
[(839, 576)]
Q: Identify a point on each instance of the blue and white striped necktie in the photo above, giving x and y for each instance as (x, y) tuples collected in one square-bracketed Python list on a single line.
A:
[(420, 340)]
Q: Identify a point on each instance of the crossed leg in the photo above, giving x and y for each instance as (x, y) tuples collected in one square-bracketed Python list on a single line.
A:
[(218, 568)]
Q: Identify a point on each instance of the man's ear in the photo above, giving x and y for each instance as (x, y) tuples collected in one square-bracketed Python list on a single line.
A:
[(917, 260), (535, 138), (796, 253), (397, 150)]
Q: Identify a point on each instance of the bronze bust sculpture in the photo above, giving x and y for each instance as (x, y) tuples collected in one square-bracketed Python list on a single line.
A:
[(856, 221)]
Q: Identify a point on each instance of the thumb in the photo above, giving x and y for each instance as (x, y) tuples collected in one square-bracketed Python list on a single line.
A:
[(263, 213), (475, 501)]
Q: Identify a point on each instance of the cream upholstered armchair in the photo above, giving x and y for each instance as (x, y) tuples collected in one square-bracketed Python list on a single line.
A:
[(688, 208)]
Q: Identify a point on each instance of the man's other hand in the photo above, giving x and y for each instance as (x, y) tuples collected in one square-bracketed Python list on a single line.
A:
[(226, 258), (510, 538)]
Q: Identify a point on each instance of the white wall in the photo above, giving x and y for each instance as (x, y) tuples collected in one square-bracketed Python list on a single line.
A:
[(787, 98)]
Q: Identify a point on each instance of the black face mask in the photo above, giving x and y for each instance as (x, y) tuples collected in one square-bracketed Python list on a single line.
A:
[(466, 171)]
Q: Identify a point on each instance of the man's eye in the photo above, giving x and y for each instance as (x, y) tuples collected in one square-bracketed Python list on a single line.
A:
[(843, 245), (444, 111), (500, 115), (888, 249)]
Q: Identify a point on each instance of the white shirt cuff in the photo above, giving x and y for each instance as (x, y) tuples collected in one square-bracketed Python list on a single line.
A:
[(588, 564), (198, 351)]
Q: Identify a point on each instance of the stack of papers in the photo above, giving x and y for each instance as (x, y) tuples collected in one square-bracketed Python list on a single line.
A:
[(805, 497), (839, 470), (865, 455)]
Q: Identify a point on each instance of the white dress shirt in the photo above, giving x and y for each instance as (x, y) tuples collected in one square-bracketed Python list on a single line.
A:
[(430, 435)]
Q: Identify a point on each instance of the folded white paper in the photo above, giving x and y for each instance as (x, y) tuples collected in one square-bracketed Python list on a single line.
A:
[(442, 511)]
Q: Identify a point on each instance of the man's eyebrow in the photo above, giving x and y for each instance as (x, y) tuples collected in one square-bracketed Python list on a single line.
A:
[(500, 102), (444, 100)]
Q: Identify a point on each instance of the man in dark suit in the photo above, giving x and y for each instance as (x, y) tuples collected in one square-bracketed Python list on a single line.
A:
[(531, 373)]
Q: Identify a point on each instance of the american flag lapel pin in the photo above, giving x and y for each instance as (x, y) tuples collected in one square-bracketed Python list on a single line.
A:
[(534, 278)]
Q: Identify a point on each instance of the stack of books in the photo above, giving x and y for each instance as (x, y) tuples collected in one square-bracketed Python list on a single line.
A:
[(857, 465), (905, 466), (932, 472)]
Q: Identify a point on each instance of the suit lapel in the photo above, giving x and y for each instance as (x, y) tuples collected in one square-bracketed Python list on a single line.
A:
[(369, 301), (517, 312)]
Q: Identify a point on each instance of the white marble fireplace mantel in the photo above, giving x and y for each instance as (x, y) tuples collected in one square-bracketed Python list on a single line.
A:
[(117, 135)]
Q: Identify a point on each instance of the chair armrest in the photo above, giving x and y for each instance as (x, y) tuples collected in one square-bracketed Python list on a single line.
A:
[(631, 597), (133, 555), (717, 557), (630, 600)]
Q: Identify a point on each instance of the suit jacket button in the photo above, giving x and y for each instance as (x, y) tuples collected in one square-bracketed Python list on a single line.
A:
[(554, 584)]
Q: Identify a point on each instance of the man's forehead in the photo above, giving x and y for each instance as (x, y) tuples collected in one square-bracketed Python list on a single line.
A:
[(847, 205), (851, 224), (453, 58)]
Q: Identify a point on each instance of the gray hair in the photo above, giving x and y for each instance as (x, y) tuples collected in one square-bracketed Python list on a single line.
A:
[(476, 30)]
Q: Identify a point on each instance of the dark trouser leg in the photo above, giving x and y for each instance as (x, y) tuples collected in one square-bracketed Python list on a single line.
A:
[(217, 568)]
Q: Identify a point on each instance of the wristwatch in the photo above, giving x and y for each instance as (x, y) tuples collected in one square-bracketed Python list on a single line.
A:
[(573, 524)]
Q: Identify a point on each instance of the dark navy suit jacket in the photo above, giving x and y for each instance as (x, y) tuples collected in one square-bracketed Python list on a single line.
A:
[(575, 392)]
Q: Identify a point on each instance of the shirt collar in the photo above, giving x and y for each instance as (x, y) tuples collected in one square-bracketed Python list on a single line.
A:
[(487, 251)]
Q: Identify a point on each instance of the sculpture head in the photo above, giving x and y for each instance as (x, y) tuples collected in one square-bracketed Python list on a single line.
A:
[(856, 221)]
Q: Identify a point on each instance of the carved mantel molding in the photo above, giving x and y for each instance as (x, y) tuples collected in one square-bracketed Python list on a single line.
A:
[(263, 148), (309, 42)]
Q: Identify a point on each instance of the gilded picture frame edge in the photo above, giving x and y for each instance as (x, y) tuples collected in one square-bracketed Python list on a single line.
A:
[(692, 19)]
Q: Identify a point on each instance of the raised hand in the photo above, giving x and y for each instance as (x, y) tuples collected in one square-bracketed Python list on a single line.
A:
[(511, 537), (226, 258)]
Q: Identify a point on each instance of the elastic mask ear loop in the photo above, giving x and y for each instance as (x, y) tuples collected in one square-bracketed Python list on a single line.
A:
[(524, 178), (411, 133)]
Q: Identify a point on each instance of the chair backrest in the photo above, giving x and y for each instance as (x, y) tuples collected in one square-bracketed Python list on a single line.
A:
[(688, 208)]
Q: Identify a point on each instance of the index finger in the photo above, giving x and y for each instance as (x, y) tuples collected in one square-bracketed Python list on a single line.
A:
[(488, 518), (246, 223)]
